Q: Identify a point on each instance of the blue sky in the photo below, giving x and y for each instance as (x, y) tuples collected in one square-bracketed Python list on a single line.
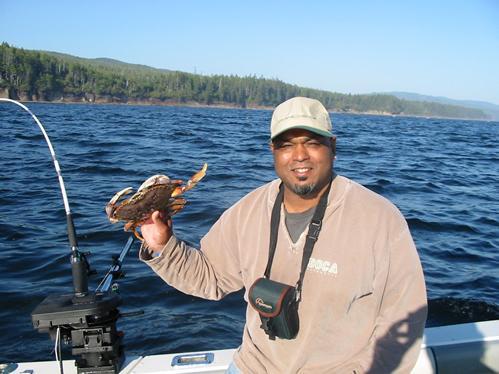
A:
[(440, 48)]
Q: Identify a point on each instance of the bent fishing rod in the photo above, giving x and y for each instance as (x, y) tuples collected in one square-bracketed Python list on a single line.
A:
[(79, 263), (75, 318), (80, 266)]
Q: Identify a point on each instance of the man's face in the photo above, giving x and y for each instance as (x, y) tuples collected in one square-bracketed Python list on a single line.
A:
[(303, 160)]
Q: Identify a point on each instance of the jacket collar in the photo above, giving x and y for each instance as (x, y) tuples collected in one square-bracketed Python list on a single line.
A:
[(339, 189)]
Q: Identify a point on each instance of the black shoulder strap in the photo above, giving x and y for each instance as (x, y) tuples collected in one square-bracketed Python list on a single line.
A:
[(312, 235), (275, 219)]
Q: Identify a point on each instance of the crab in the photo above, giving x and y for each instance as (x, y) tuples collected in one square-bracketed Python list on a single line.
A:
[(157, 193)]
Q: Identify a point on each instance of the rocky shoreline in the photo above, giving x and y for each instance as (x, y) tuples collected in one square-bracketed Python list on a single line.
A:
[(91, 99)]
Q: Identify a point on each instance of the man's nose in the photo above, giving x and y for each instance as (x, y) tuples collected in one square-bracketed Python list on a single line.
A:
[(300, 152)]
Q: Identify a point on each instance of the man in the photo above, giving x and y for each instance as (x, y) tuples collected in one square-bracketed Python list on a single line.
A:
[(363, 298)]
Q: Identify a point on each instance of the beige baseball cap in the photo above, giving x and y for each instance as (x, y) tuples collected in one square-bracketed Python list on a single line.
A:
[(301, 113)]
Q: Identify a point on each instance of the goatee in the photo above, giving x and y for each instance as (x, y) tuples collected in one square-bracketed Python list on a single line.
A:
[(304, 190)]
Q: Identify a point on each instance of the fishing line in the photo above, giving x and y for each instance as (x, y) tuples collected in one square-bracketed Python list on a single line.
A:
[(57, 349), (56, 345)]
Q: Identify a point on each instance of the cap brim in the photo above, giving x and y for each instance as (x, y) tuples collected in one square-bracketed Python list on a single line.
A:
[(324, 133)]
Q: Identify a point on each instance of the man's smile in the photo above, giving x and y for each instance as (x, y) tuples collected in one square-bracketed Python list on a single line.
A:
[(301, 172)]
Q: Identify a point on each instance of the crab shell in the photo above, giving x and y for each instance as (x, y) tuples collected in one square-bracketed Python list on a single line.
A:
[(157, 193), (150, 197)]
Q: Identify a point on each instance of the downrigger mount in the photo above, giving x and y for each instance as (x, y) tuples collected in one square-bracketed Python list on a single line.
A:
[(84, 319)]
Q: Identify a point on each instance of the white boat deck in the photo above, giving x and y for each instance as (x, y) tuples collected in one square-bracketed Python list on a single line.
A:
[(464, 348)]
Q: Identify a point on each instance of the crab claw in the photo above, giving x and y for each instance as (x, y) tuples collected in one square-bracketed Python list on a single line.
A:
[(155, 179), (191, 182), (110, 207)]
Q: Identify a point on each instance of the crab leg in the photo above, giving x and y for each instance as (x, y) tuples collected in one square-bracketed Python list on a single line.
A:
[(191, 182), (132, 226), (176, 205), (137, 235)]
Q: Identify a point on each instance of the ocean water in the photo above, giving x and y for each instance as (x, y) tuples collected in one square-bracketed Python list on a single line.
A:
[(442, 174)]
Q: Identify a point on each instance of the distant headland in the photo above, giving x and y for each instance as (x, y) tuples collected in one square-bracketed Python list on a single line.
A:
[(28, 75)]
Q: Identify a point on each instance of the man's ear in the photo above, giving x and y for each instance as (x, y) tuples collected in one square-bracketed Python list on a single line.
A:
[(333, 145), (271, 145)]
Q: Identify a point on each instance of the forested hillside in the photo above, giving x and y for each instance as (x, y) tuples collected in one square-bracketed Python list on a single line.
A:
[(48, 76)]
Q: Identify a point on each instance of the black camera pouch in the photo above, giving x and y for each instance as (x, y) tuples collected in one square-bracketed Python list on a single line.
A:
[(277, 305)]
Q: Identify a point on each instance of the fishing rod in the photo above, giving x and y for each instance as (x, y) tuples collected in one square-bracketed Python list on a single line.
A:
[(79, 264), (85, 319)]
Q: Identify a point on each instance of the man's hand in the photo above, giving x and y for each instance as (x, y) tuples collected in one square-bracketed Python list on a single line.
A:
[(156, 231)]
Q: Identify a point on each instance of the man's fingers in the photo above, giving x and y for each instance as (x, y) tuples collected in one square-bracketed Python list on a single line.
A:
[(157, 230), (153, 219), (156, 217), (161, 217)]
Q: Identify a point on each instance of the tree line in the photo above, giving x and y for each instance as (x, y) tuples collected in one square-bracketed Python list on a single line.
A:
[(44, 76)]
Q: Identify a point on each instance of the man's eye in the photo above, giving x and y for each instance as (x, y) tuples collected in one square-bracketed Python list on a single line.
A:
[(313, 143)]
